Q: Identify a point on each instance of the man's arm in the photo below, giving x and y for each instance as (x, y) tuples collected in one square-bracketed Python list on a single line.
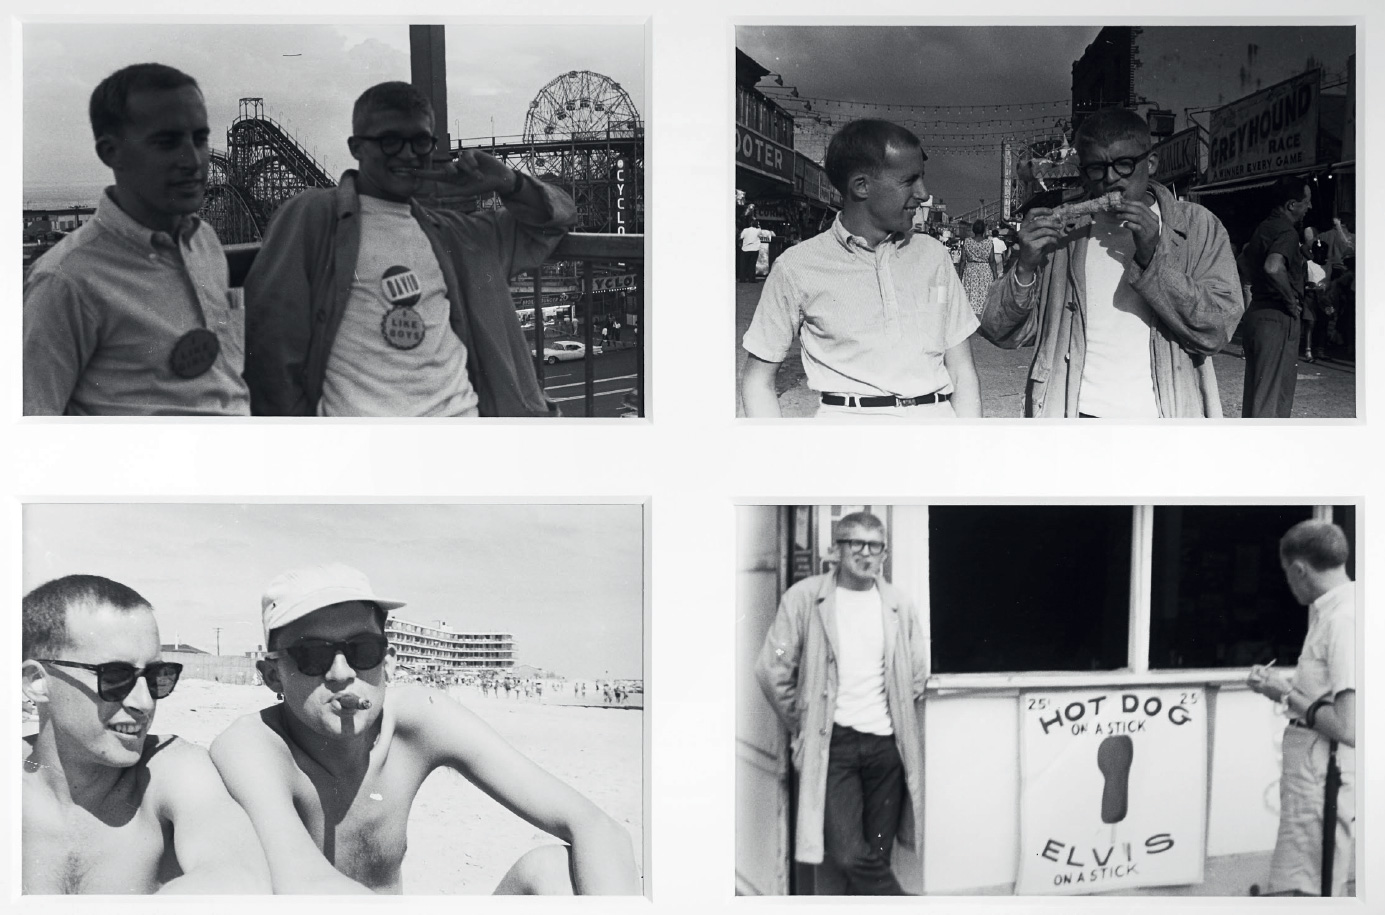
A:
[(757, 387), (59, 339), (966, 386), (602, 859), (257, 773), (278, 314), (1202, 305), (1277, 273), (216, 846), (776, 669)]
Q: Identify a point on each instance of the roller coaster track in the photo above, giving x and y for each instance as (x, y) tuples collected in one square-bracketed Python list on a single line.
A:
[(262, 166)]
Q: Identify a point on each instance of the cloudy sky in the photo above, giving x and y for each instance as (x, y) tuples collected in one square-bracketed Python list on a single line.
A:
[(308, 75), (982, 69), (566, 580)]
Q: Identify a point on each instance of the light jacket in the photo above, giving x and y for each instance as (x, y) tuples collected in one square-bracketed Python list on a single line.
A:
[(1191, 285), (298, 287), (797, 670)]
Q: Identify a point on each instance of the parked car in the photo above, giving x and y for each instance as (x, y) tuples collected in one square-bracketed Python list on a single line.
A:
[(567, 350)]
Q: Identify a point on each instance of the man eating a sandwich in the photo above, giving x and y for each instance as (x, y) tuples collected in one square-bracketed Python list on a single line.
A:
[(1125, 296)]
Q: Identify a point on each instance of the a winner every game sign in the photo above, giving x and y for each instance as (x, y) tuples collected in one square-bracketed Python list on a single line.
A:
[(1113, 789)]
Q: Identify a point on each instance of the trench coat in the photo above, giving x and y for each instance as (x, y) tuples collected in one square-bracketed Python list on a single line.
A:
[(797, 670), (1191, 285)]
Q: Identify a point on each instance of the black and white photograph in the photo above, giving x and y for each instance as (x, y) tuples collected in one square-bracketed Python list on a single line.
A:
[(422, 698), (360, 220), (1114, 222), (1046, 699)]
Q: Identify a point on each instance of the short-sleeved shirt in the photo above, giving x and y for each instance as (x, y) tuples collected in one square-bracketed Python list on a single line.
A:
[(1327, 664), (870, 320), (1276, 235), (104, 310), (395, 353), (750, 239)]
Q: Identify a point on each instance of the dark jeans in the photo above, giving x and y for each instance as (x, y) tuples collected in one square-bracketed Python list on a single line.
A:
[(865, 798), (1270, 339), (745, 265)]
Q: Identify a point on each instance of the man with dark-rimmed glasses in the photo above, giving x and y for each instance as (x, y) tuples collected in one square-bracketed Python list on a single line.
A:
[(1124, 308), (108, 807), (842, 665), (329, 774), (362, 301)]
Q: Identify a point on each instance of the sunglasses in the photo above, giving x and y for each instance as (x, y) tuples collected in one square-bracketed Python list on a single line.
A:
[(314, 657), (115, 679)]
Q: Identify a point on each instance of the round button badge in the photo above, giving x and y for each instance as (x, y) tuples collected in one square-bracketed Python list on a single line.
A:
[(194, 353), (402, 325)]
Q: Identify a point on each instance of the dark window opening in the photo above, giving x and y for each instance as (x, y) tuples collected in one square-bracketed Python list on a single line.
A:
[(1219, 598), (1027, 588)]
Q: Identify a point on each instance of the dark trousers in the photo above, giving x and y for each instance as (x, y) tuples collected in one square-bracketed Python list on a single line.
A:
[(1270, 338), (745, 265), (865, 798)]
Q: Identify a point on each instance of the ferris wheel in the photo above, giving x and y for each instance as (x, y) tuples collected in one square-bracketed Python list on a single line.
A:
[(580, 105)]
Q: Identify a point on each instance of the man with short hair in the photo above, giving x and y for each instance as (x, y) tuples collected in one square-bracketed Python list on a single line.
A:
[(329, 774), (748, 252), (109, 807), (842, 664), (882, 320), (1125, 308), (1276, 262), (132, 314), (1320, 698), (365, 302)]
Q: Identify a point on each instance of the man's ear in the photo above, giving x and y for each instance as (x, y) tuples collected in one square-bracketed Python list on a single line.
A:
[(269, 672), (1153, 160), (34, 682), (354, 145), (858, 185), (108, 151)]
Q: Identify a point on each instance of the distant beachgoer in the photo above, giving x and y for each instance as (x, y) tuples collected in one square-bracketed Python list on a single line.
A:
[(107, 806), (312, 770)]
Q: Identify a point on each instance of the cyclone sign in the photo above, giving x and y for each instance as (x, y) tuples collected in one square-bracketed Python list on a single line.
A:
[(1113, 789), (1269, 133)]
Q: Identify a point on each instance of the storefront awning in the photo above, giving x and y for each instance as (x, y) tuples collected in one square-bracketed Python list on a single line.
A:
[(1226, 187)]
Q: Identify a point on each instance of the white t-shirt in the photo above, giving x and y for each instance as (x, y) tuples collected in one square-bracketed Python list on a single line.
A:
[(1117, 378), (861, 663), (395, 353), (750, 239), (998, 245)]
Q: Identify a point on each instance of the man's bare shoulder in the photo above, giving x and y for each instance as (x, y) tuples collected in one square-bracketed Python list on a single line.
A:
[(415, 708), (256, 732)]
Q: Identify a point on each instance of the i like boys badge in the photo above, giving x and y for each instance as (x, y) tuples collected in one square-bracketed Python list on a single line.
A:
[(402, 325)]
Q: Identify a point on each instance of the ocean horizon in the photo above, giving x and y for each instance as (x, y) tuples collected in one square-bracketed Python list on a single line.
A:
[(54, 196)]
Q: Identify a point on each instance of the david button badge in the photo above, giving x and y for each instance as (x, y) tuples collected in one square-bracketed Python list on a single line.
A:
[(194, 353), (402, 325)]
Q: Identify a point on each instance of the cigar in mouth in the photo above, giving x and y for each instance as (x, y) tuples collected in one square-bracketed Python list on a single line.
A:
[(1103, 204)]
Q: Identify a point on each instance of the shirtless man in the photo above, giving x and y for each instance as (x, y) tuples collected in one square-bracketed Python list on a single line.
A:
[(329, 774), (109, 807)]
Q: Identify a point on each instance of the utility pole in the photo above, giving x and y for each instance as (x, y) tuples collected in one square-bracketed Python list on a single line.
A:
[(218, 640)]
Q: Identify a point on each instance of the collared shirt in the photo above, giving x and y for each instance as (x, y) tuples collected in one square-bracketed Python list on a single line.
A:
[(1327, 664), (870, 320), (104, 309), (1276, 235)]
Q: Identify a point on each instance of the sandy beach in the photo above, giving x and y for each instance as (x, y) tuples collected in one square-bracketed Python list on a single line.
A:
[(461, 841)]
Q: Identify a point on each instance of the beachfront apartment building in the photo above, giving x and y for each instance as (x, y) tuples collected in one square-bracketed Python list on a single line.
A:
[(437, 647)]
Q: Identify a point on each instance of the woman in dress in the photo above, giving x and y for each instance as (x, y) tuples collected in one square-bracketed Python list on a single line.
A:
[(978, 266)]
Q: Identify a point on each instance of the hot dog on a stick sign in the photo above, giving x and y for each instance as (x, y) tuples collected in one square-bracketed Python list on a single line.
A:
[(1113, 789)]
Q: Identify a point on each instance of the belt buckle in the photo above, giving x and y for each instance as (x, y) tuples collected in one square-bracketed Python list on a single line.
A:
[(905, 401)]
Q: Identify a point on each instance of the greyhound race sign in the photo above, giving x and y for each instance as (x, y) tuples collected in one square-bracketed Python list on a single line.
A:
[(1113, 789)]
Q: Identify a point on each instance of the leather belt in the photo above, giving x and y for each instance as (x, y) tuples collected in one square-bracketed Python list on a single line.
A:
[(854, 400)]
